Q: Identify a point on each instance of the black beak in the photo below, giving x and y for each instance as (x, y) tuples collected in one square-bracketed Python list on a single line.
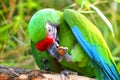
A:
[(53, 52)]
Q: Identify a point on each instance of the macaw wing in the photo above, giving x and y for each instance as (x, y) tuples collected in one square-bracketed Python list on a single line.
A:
[(93, 43)]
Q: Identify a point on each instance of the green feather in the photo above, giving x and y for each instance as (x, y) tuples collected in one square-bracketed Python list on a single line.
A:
[(81, 61), (89, 31), (78, 55), (37, 30), (95, 44)]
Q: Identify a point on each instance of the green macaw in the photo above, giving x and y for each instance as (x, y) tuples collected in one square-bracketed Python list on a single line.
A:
[(68, 40)]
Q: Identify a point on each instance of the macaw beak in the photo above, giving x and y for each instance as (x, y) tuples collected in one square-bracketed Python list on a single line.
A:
[(59, 52), (54, 52)]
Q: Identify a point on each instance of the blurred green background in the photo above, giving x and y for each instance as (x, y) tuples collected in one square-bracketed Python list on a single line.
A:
[(15, 15)]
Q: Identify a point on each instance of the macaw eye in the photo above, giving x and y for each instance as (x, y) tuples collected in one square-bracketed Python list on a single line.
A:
[(49, 29)]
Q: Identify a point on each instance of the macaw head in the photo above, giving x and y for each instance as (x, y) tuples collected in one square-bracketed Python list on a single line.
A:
[(43, 31), (42, 28)]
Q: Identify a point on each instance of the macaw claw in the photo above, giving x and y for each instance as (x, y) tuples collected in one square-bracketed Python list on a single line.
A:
[(65, 74), (62, 51)]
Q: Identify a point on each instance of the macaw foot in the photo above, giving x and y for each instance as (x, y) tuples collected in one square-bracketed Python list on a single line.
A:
[(59, 52), (65, 74), (62, 51)]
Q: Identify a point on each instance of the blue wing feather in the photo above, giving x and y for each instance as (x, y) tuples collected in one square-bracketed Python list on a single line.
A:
[(109, 71)]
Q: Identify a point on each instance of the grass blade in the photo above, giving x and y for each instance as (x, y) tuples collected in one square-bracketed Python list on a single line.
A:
[(104, 18)]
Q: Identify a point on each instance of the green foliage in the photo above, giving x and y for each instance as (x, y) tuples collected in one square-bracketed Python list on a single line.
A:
[(117, 1), (15, 15)]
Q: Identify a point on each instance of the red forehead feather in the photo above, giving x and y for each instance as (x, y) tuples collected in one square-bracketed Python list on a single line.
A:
[(44, 44)]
